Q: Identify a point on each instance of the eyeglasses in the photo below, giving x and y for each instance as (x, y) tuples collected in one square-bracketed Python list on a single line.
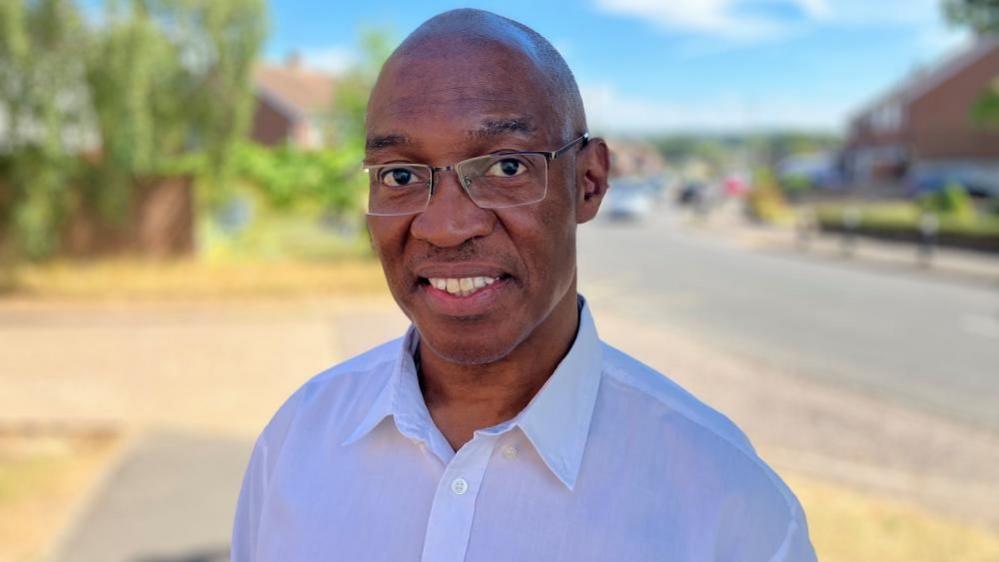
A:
[(493, 181)]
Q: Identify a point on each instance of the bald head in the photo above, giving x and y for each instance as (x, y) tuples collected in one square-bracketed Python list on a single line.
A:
[(464, 33), (476, 97)]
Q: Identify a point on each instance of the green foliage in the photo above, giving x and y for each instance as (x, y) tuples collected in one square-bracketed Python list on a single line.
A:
[(772, 148), (218, 45), (766, 201), (713, 151), (39, 46), (129, 64), (281, 236), (904, 216), (795, 184), (293, 179), (982, 16), (169, 78), (985, 112), (720, 151), (158, 86), (952, 201), (350, 102)]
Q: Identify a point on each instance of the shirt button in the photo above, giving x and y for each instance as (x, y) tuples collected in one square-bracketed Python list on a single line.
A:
[(459, 486), (509, 452)]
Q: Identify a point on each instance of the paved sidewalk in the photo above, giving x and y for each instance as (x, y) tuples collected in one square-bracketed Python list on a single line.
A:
[(954, 263), (197, 383), (171, 499)]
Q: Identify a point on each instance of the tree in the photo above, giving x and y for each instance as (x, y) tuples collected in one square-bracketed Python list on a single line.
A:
[(153, 87), (981, 16), (327, 181), (171, 78), (42, 112), (350, 100)]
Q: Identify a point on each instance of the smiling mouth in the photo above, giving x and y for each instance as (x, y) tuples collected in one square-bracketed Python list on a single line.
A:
[(461, 286)]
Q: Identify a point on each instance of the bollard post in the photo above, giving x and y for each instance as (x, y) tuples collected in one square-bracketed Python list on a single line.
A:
[(851, 220), (806, 224), (929, 227)]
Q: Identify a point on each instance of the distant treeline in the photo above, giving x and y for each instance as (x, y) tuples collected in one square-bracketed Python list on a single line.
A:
[(764, 149)]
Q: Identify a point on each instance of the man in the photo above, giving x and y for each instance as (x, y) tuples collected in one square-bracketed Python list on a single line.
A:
[(500, 427)]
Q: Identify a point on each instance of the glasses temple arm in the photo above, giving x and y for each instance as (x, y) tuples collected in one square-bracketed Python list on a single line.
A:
[(585, 137)]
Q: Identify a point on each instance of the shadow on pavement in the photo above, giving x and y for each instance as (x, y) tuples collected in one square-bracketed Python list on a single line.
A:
[(171, 498), (220, 554)]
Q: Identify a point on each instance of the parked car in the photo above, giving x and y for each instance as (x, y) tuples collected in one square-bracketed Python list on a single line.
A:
[(979, 180), (691, 192), (629, 199)]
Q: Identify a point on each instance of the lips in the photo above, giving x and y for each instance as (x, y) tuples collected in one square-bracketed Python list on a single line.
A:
[(461, 286), (462, 289)]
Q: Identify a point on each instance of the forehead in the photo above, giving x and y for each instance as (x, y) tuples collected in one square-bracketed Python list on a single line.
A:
[(461, 87)]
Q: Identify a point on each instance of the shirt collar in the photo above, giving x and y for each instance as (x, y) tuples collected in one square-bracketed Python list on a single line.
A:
[(400, 397), (556, 421)]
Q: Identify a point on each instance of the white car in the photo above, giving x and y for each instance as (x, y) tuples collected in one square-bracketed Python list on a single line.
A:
[(628, 200)]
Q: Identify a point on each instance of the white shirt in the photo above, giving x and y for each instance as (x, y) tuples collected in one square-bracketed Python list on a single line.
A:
[(610, 461)]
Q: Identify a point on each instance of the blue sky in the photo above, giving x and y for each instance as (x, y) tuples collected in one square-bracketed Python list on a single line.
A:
[(677, 65)]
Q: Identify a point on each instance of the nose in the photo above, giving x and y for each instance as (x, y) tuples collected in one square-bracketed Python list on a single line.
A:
[(451, 217)]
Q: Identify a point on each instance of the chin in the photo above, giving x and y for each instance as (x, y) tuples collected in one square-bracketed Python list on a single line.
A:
[(469, 351)]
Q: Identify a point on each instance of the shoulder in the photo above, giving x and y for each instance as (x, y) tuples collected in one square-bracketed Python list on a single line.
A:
[(337, 394), (656, 388), (683, 435)]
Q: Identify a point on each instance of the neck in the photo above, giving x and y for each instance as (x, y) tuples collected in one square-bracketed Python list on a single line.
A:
[(464, 398)]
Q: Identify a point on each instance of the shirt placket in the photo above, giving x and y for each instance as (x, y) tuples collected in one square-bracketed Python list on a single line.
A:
[(453, 509)]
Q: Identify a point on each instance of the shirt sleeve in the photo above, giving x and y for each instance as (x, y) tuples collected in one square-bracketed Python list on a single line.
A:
[(250, 506), (797, 546)]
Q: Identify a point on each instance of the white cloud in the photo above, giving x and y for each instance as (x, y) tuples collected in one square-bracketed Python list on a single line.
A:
[(608, 110), (898, 12), (334, 59), (736, 20), (941, 40), (721, 18)]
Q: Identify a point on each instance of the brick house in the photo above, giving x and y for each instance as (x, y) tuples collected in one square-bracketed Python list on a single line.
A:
[(292, 104), (921, 131)]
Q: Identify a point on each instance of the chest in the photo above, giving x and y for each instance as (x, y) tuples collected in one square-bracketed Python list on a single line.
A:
[(394, 500)]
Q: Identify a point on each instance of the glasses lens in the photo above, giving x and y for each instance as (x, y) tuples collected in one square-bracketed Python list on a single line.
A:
[(398, 189), (505, 180)]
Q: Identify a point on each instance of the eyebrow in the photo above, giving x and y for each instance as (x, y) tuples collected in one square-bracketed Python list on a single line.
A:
[(386, 141), (489, 128), (495, 128)]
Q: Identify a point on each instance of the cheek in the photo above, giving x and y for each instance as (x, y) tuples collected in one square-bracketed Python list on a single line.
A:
[(545, 240), (388, 238)]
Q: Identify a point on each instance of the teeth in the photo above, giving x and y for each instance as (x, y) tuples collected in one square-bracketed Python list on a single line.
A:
[(463, 286)]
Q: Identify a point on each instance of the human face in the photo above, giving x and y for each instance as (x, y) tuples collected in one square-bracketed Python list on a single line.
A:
[(444, 108)]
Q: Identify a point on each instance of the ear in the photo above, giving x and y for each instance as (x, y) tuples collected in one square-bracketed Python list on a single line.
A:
[(592, 171)]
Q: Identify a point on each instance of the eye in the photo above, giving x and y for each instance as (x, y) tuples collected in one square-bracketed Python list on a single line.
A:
[(397, 177), (507, 168)]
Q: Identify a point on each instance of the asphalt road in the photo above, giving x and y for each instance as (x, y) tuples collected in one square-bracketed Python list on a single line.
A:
[(899, 335)]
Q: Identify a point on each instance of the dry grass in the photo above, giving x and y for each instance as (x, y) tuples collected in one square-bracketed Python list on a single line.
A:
[(186, 279), (42, 481), (848, 526)]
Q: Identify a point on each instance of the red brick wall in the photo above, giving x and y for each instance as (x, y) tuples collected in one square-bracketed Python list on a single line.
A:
[(160, 224), (270, 127), (940, 121)]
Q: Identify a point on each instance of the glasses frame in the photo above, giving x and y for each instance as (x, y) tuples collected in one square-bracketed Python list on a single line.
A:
[(549, 157)]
